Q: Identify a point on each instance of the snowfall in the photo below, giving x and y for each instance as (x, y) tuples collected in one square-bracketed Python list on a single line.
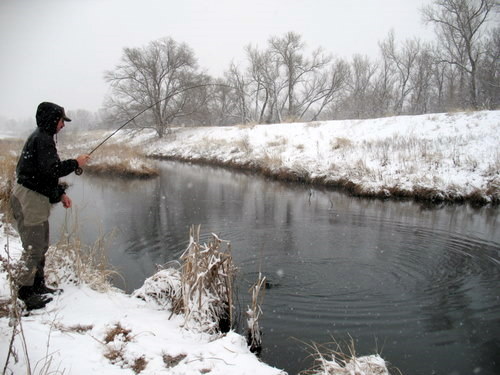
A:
[(453, 155)]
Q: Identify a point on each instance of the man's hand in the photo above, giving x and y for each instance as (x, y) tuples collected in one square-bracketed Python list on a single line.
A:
[(66, 201), (82, 159)]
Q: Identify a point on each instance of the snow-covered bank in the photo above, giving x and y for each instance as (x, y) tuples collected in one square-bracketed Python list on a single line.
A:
[(83, 331), (440, 157)]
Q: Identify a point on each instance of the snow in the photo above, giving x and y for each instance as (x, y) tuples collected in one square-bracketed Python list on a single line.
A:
[(455, 154), (70, 335)]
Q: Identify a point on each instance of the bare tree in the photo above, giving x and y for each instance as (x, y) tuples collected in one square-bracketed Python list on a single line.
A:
[(270, 84), (459, 25), (403, 61), (325, 88), (239, 83), (421, 80), (288, 52), (157, 75), (85, 119), (360, 103), (489, 71)]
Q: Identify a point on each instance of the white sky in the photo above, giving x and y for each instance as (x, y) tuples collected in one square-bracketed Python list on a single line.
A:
[(58, 50)]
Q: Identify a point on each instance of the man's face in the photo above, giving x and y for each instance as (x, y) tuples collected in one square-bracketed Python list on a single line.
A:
[(60, 125)]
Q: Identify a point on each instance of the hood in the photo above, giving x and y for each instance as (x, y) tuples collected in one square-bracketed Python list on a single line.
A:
[(48, 115)]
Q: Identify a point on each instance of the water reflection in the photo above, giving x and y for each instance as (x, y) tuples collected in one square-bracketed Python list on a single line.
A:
[(421, 283)]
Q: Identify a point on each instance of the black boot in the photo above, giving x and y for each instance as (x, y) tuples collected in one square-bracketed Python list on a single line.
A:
[(40, 287), (31, 299)]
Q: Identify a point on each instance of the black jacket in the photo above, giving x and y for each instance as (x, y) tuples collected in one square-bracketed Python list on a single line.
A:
[(39, 166)]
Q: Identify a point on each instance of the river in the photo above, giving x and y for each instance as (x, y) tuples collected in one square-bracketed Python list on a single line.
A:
[(418, 284)]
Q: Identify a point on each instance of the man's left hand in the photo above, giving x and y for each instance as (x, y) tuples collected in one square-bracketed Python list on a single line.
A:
[(66, 201)]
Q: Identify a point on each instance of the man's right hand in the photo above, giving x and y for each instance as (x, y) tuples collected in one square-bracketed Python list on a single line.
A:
[(82, 159)]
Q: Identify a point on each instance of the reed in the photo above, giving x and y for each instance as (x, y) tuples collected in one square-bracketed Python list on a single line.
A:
[(253, 313), (207, 274)]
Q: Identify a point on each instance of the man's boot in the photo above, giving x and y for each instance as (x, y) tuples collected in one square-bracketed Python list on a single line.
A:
[(40, 287), (31, 299)]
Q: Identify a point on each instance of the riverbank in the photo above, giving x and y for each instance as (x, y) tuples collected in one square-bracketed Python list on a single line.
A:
[(449, 157), (93, 327)]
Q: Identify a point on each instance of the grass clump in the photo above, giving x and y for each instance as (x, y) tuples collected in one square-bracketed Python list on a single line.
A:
[(9, 154), (331, 359), (207, 275), (172, 361), (73, 262), (120, 160)]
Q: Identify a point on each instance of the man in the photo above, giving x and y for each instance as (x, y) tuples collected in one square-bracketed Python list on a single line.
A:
[(38, 171)]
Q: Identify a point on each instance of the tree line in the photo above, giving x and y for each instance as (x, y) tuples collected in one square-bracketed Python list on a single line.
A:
[(283, 83)]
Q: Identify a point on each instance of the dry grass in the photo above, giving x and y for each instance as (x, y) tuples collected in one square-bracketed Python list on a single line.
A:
[(172, 361), (278, 141), (340, 142), (10, 150), (207, 274), (244, 144), (254, 333), (332, 359), (139, 364), (115, 331), (77, 328), (71, 261), (120, 160)]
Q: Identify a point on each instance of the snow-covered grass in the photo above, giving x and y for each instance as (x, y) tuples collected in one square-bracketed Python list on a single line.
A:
[(437, 157), (9, 151)]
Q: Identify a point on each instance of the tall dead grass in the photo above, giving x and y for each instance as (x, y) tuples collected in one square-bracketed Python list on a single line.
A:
[(10, 150), (332, 359), (253, 313), (115, 160), (71, 261), (207, 274)]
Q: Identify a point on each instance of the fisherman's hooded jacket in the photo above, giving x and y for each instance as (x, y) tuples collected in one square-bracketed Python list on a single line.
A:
[(39, 167)]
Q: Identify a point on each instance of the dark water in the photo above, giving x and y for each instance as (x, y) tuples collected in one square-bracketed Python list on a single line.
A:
[(420, 285)]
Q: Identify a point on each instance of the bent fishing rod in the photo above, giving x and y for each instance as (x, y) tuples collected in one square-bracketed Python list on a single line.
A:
[(79, 170)]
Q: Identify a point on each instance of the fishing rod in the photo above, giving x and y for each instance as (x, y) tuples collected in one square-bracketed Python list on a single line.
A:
[(79, 170)]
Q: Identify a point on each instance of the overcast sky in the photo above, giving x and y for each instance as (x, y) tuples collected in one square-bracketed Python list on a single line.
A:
[(58, 50)]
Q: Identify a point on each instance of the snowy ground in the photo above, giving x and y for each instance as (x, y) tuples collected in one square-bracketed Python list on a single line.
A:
[(451, 156), (71, 336)]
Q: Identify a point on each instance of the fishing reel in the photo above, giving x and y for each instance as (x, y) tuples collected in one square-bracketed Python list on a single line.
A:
[(78, 171)]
